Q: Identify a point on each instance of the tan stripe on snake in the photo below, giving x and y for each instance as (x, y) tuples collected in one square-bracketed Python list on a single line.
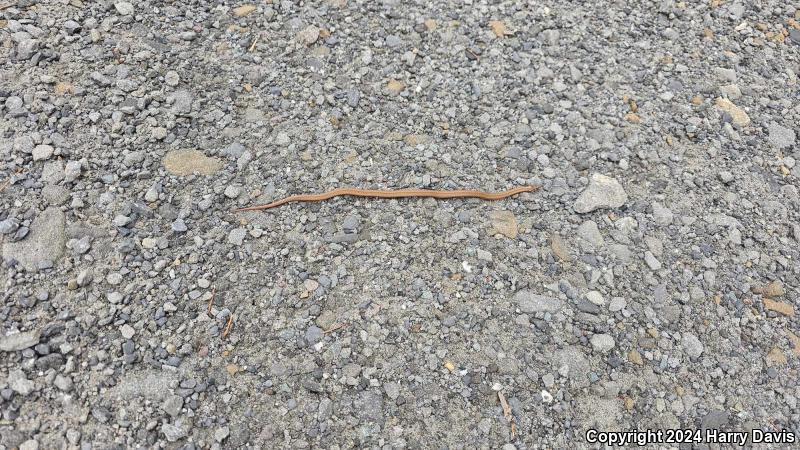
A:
[(398, 193)]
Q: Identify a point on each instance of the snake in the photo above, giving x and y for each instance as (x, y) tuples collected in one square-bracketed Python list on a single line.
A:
[(392, 193)]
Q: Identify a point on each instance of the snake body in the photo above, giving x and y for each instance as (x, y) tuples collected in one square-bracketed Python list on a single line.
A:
[(398, 193)]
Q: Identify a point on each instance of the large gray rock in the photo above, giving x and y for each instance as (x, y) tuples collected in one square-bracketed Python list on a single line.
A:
[(529, 302), (19, 341), (780, 136), (45, 243), (602, 192)]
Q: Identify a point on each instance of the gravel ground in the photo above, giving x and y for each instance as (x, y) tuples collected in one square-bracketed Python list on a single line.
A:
[(651, 283)]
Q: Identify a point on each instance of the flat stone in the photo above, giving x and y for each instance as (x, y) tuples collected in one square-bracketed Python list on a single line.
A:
[(602, 343), (42, 152), (739, 117), (780, 136), (602, 192), (504, 222), (692, 345), (530, 302), (236, 236), (19, 341), (46, 241), (188, 162), (19, 383), (124, 8), (589, 232)]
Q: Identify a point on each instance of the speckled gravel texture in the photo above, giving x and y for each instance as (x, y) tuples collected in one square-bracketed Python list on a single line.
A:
[(651, 282)]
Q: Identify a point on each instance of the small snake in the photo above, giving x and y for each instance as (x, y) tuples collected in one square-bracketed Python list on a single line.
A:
[(399, 193)]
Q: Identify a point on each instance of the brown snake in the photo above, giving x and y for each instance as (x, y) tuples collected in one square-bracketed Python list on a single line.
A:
[(399, 193)]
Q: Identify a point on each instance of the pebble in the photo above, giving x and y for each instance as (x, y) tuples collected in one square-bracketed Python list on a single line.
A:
[(739, 117), (505, 223), (124, 8), (236, 236), (596, 298), (692, 345), (529, 302), (602, 192), (42, 152), (127, 331), (602, 343), (617, 304), (179, 226)]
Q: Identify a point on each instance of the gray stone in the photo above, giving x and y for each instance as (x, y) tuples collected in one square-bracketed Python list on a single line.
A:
[(19, 341), (42, 152), (234, 151), (46, 241), (19, 383), (173, 405), (221, 433), (602, 343), (661, 214), (589, 232), (124, 8), (26, 48), (392, 390), (9, 225), (236, 236), (602, 192), (617, 304), (176, 431), (313, 334), (63, 383), (652, 262), (179, 226), (529, 302), (369, 406), (72, 170), (692, 345), (780, 136)]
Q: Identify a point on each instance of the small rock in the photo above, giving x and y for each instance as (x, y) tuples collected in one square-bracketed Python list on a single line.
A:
[(124, 8), (773, 289), (602, 192), (174, 432), (236, 236), (42, 152), (188, 162), (19, 383), (173, 405), (243, 10), (19, 341), (589, 232), (596, 298), (662, 215), (602, 343), (179, 226), (232, 191), (780, 136), (692, 345), (392, 390), (127, 331), (121, 221), (739, 117), (72, 170), (308, 35), (617, 304), (529, 302), (504, 222), (652, 262)]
